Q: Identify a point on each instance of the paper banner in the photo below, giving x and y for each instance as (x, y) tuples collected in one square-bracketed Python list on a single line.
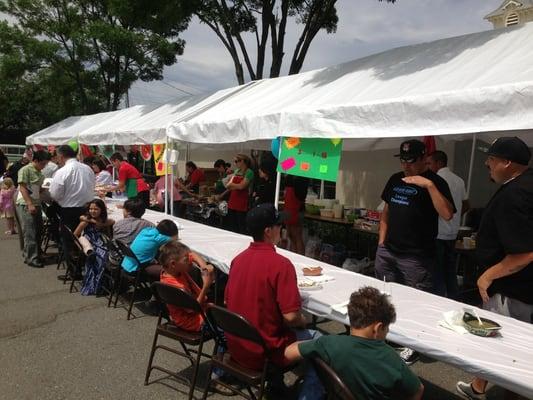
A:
[(159, 151), (146, 152), (310, 158)]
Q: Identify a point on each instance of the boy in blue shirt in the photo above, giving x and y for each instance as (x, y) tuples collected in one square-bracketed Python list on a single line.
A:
[(146, 245)]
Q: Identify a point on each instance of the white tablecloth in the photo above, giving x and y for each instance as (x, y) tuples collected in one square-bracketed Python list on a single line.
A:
[(506, 360)]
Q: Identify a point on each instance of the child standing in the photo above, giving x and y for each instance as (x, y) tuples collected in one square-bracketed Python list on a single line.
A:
[(7, 207)]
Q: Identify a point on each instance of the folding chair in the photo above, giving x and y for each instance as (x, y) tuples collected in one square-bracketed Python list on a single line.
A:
[(50, 227), (73, 256), (138, 278), (170, 295), (236, 325), (111, 274), (335, 387)]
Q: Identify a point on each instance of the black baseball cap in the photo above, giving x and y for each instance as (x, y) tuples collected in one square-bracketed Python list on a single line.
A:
[(510, 148), (411, 150), (263, 216)]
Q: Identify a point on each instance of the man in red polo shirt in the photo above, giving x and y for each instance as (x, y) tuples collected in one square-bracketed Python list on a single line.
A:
[(262, 287)]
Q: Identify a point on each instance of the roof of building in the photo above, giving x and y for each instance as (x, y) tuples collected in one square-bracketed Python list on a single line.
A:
[(521, 5)]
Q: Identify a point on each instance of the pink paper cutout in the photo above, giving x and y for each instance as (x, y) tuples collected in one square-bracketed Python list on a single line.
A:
[(288, 164)]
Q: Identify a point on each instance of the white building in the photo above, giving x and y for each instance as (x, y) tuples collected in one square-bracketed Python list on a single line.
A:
[(511, 12)]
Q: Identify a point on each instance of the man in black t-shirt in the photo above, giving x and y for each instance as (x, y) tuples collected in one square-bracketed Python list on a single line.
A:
[(414, 199), (504, 243)]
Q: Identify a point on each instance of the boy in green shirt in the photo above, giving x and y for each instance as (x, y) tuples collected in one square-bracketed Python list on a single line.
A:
[(363, 361)]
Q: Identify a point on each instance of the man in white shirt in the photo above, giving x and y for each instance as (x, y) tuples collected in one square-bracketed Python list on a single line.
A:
[(445, 273), (72, 186)]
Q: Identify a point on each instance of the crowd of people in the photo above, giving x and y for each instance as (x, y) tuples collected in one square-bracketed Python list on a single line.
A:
[(419, 224)]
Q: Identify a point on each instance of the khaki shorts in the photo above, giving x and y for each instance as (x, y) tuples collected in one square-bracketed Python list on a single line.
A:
[(510, 307)]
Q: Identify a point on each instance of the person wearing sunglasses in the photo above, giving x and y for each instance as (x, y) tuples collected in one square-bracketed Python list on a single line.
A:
[(239, 195), (414, 199)]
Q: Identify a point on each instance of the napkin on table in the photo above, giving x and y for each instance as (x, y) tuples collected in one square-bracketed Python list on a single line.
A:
[(453, 320)]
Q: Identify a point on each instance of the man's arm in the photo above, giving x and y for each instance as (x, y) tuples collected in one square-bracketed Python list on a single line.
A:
[(292, 352), (27, 199), (57, 188), (294, 319), (383, 224), (442, 204), (511, 264), (465, 206)]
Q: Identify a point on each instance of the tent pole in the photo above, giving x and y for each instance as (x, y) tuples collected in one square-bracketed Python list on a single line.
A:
[(321, 189), (278, 179), (166, 177), (471, 166), (114, 174), (172, 190)]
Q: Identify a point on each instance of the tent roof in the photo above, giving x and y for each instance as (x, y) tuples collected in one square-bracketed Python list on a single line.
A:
[(72, 127), (150, 127), (481, 82)]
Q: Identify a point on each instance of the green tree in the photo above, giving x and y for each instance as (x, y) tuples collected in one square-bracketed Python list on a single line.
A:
[(267, 20), (100, 47)]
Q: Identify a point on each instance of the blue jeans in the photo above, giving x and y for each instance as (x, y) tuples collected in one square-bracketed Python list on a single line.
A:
[(312, 388)]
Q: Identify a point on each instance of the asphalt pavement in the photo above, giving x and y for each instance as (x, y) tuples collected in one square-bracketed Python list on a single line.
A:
[(60, 345)]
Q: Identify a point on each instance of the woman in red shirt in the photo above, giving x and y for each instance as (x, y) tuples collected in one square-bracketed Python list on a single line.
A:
[(239, 194)]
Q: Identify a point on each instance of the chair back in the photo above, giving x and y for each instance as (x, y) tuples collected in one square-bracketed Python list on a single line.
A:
[(235, 324), (171, 295), (71, 237), (335, 387), (126, 251)]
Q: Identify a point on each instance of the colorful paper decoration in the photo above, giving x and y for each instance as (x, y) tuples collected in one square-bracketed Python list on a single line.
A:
[(146, 152), (159, 150), (310, 157)]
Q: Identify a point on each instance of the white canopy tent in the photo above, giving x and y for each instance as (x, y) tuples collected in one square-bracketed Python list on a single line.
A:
[(71, 128), (481, 82), (148, 126)]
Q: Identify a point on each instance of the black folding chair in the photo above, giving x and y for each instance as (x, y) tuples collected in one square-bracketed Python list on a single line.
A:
[(334, 386), (171, 295), (137, 278), (74, 257), (111, 274), (50, 227), (236, 325)]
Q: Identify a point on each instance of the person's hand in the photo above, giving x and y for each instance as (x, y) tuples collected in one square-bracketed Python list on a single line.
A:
[(32, 209), (84, 218), (208, 275), (418, 181), (483, 284)]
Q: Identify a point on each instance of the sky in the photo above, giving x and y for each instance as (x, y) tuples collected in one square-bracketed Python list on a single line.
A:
[(365, 27)]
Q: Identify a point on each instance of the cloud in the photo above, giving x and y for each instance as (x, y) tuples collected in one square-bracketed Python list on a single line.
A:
[(365, 27)]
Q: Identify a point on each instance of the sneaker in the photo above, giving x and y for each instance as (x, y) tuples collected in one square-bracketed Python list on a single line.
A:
[(465, 389), (409, 356)]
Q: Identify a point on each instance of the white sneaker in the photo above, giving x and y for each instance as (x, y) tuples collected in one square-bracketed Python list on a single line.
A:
[(465, 389), (409, 356)]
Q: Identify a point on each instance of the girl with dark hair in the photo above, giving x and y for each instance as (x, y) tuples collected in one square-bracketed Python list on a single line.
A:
[(103, 177), (92, 225)]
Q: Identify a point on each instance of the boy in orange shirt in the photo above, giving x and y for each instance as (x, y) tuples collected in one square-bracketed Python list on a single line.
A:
[(177, 259)]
